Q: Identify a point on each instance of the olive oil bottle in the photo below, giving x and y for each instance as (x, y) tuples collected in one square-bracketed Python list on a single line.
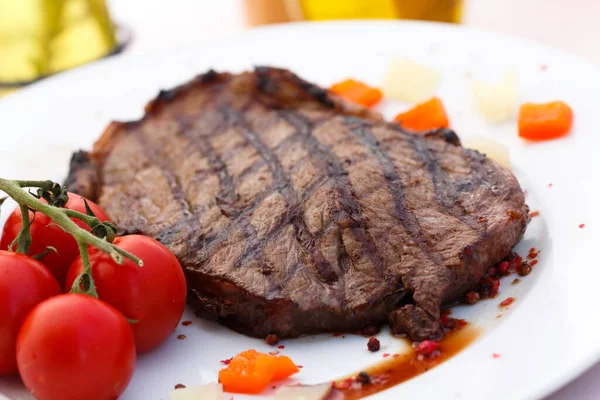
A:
[(42, 37), (428, 10), (260, 12)]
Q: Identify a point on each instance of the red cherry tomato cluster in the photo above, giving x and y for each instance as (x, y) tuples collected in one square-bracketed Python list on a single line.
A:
[(74, 346)]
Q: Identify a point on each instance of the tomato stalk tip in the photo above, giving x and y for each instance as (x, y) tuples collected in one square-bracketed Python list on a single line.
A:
[(23, 240), (84, 283)]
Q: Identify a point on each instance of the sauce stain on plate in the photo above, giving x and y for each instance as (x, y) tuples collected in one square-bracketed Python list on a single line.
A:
[(395, 370)]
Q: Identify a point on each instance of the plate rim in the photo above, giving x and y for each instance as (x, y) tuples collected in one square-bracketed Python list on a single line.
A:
[(543, 390)]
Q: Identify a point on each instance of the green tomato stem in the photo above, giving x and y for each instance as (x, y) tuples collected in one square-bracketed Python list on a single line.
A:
[(46, 185), (25, 234), (61, 218), (85, 278)]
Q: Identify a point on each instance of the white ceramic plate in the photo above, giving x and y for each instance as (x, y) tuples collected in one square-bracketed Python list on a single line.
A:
[(546, 338)]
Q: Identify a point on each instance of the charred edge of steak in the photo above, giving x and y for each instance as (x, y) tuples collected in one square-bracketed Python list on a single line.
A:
[(234, 307), (277, 82), (446, 134), (83, 175)]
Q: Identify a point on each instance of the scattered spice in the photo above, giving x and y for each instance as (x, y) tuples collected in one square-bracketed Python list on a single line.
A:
[(373, 344), (281, 347), (460, 323), (514, 215), (227, 361), (543, 67), (532, 263), (386, 355), (272, 339), (516, 281), (499, 316), (472, 297), (300, 366), (364, 378), (489, 287), (533, 253), (534, 214), (549, 185), (523, 269), (581, 225), (427, 348), (514, 261), (181, 337), (448, 322), (274, 353), (452, 323), (495, 355), (186, 323), (396, 356), (503, 268), (345, 384), (445, 313), (180, 386), (507, 302)]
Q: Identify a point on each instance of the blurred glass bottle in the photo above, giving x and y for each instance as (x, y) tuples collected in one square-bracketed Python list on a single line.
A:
[(260, 12), (42, 37)]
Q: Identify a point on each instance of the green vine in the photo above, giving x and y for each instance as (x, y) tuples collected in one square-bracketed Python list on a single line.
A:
[(101, 235)]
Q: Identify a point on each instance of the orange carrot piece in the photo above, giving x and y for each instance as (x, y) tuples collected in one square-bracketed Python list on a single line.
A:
[(424, 116), (283, 367), (357, 92), (251, 372), (545, 121)]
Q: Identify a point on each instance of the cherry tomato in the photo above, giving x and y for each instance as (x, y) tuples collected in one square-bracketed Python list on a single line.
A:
[(75, 347), (24, 282), (153, 295), (44, 233)]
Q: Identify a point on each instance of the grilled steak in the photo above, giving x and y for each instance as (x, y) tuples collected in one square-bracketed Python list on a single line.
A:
[(294, 212)]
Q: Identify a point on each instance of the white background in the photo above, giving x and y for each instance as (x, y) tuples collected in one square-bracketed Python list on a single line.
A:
[(571, 25)]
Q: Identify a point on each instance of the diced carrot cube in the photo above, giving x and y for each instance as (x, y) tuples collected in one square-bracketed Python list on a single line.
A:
[(424, 116), (545, 121), (357, 92), (251, 372)]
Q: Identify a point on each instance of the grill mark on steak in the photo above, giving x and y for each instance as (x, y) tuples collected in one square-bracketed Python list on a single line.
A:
[(174, 184), (405, 214), (282, 183), (445, 193), (227, 191), (227, 194), (350, 205)]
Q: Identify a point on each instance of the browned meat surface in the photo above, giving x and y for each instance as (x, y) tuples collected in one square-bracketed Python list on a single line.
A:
[(293, 212)]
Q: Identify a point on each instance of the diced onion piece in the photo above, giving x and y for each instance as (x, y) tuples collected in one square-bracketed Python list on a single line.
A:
[(316, 392), (496, 102), (409, 81), (211, 391), (494, 150)]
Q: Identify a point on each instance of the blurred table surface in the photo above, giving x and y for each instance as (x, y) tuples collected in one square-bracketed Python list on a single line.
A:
[(566, 24)]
